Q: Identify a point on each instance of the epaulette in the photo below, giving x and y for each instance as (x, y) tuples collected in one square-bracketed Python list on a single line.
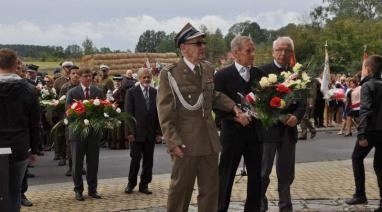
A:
[(169, 67), (207, 62)]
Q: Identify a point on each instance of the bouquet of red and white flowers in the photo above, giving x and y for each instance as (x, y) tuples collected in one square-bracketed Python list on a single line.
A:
[(274, 93), (94, 115)]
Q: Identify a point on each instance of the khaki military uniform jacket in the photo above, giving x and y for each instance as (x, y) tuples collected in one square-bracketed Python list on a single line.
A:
[(194, 129)]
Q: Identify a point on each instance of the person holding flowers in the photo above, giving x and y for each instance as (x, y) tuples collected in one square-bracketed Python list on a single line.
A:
[(280, 138), (84, 145), (238, 140)]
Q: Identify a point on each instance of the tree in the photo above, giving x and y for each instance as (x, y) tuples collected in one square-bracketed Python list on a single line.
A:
[(88, 47), (105, 50), (73, 51), (149, 41), (167, 44)]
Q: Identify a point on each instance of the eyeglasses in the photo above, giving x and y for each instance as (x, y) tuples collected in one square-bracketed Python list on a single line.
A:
[(198, 43), (286, 51)]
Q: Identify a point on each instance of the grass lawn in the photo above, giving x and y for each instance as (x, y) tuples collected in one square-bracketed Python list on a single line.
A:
[(46, 66)]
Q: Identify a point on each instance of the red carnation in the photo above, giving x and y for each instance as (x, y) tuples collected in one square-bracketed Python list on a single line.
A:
[(106, 103), (275, 102), (80, 108), (282, 88), (250, 98)]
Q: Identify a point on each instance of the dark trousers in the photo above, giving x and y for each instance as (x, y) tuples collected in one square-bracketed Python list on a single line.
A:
[(80, 148), (60, 142), (16, 176), (358, 156), (374, 139), (24, 184), (318, 114), (230, 158), (285, 165), (141, 150)]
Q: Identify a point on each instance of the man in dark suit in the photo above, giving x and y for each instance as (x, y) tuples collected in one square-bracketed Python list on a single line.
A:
[(88, 146), (141, 104), (281, 138), (238, 140)]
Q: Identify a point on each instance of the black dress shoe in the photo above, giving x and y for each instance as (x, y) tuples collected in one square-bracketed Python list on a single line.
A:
[(68, 173), (25, 202), (94, 195), (79, 196), (356, 200), (62, 162), (129, 189), (145, 190)]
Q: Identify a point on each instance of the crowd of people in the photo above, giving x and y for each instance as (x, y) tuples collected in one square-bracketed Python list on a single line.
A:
[(180, 112)]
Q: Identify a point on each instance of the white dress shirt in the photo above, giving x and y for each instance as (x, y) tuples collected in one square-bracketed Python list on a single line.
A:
[(243, 71)]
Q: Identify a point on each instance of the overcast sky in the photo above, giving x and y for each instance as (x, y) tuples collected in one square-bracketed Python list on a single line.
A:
[(118, 23)]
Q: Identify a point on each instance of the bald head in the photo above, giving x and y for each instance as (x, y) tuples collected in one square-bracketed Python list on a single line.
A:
[(129, 73)]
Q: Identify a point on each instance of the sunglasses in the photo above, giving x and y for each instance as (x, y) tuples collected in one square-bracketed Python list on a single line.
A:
[(198, 43)]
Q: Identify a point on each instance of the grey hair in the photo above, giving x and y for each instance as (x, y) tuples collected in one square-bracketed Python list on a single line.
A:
[(142, 71), (283, 39), (237, 42)]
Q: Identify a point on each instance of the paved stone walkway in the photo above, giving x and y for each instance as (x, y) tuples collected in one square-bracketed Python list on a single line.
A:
[(318, 186)]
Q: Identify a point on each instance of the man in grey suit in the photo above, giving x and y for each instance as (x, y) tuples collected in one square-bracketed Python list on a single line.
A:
[(82, 146)]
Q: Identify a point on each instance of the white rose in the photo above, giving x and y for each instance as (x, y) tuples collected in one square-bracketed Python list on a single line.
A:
[(298, 82), (66, 121), (119, 122), (85, 101), (63, 97), (86, 122), (297, 67), (97, 102), (264, 82), (305, 77), (118, 110), (74, 106), (272, 78), (106, 115)]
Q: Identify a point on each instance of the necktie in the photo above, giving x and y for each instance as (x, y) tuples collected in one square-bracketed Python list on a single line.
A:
[(146, 95), (197, 70), (243, 73), (86, 93)]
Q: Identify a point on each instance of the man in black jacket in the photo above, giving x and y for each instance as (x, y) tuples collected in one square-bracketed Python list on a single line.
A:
[(141, 104), (19, 115), (88, 146), (238, 140), (369, 128), (281, 138)]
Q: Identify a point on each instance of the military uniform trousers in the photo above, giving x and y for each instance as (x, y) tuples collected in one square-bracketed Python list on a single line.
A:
[(184, 172), (284, 151), (90, 148)]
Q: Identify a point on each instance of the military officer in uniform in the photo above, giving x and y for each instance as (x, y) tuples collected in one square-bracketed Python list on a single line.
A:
[(185, 99)]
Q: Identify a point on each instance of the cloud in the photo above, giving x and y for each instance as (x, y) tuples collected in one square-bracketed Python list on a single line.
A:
[(123, 33)]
